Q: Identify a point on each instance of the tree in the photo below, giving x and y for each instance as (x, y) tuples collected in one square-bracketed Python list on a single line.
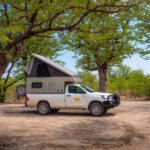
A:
[(147, 86), (89, 79), (106, 42), (136, 83), (118, 79), (122, 80), (122, 71), (21, 20), (126, 81), (15, 71), (142, 28)]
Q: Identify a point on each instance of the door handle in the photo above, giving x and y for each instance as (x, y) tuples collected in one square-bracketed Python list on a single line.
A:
[(68, 95)]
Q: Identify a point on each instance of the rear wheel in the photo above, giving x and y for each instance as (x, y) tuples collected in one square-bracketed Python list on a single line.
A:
[(43, 108), (96, 109)]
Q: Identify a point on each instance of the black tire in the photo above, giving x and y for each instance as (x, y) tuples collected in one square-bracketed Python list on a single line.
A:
[(43, 108), (105, 111), (54, 110), (96, 109)]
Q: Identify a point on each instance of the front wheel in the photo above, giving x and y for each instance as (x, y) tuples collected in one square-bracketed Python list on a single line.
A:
[(96, 109), (43, 108)]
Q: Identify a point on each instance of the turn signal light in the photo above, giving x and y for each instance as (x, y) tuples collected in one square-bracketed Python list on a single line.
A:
[(26, 98)]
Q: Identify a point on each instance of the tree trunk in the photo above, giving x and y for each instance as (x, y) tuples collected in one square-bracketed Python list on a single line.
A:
[(102, 72), (4, 61), (2, 96)]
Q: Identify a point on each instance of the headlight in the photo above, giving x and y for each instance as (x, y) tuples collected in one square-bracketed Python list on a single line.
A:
[(104, 97), (110, 98)]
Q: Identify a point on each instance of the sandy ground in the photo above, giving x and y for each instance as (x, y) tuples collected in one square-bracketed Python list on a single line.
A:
[(126, 127)]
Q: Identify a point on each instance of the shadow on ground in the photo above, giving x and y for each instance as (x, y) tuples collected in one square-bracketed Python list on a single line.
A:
[(24, 113), (77, 136)]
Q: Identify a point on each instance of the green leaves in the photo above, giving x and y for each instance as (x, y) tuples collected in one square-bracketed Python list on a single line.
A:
[(122, 80), (103, 38), (102, 29), (4, 38), (128, 82), (110, 41), (89, 79)]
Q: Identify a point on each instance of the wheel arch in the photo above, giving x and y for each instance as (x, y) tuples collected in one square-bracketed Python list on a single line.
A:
[(43, 101), (93, 102)]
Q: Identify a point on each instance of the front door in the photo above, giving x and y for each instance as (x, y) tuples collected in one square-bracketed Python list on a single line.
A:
[(75, 97)]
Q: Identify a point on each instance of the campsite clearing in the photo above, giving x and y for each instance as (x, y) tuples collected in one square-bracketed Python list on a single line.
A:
[(125, 127)]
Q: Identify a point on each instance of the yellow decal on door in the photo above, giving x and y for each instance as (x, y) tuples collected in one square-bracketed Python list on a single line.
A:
[(77, 99)]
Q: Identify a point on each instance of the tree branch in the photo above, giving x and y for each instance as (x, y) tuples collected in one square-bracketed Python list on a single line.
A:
[(26, 11), (44, 36), (62, 28), (16, 7), (21, 17), (54, 17), (7, 77), (91, 69), (17, 40), (2, 10), (6, 14), (1, 46), (88, 3), (10, 84), (19, 49), (28, 34), (88, 11), (38, 24)]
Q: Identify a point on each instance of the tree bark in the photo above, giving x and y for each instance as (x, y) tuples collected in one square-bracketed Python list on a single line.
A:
[(4, 61), (102, 72), (2, 98), (2, 95)]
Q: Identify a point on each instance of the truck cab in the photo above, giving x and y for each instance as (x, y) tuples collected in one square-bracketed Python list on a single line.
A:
[(75, 96)]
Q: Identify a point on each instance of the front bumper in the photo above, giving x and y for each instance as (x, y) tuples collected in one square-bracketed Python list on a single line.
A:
[(112, 101)]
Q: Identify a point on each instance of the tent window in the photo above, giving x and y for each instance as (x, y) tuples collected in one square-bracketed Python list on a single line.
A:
[(36, 85), (42, 70)]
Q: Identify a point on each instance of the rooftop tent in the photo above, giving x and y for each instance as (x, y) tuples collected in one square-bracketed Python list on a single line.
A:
[(41, 66)]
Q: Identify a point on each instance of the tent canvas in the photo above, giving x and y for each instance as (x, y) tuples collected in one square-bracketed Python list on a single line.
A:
[(54, 69), (45, 76)]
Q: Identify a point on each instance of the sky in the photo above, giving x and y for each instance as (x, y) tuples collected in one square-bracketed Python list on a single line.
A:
[(135, 62)]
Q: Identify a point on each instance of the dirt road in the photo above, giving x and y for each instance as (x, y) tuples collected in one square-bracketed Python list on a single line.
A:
[(126, 127)]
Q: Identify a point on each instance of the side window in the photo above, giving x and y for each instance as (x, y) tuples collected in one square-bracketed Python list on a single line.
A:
[(36, 85), (71, 89), (78, 90), (75, 89)]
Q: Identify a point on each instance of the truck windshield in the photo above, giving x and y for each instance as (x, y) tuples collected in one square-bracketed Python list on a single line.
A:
[(87, 88)]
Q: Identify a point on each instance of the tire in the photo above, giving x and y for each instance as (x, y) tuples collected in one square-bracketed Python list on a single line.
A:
[(43, 108), (96, 109), (105, 111), (21, 90), (54, 110)]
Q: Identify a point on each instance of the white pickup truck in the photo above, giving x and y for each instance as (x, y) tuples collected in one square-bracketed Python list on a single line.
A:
[(75, 96)]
